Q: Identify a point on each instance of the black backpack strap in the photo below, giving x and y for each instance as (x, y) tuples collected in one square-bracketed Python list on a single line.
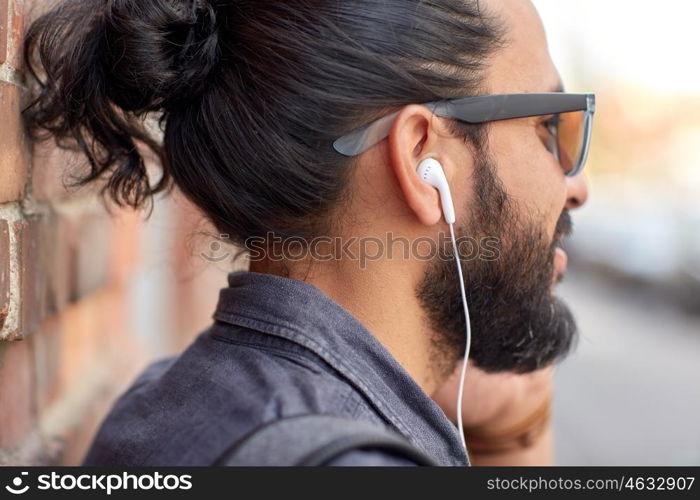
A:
[(315, 440)]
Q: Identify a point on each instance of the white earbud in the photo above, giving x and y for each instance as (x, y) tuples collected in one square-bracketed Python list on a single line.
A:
[(431, 172)]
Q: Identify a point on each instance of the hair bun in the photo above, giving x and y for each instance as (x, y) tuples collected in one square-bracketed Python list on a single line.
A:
[(159, 52)]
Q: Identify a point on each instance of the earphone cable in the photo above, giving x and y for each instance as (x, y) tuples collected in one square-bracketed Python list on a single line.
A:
[(467, 345)]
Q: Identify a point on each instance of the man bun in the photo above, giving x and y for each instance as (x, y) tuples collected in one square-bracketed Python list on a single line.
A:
[(159, 53), (96, 67)]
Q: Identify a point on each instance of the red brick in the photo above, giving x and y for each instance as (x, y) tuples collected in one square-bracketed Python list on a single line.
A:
[(63, 258), (4, 23), (32, 284), (4, 271), (13, 154), (17, 407), (17, 35), (11, 32)]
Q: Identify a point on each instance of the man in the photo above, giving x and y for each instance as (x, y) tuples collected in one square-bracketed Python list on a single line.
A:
[(372, 341)]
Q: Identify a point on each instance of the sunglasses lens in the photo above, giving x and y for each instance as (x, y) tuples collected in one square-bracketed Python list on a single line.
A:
[(571, 132)]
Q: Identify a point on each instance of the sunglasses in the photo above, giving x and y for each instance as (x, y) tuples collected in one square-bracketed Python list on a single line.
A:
[(569, 126)]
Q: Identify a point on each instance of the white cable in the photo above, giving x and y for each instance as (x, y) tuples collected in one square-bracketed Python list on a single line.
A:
[(467, 345)]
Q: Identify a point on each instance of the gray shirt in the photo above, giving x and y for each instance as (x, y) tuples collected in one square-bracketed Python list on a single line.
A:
[(277, 347)]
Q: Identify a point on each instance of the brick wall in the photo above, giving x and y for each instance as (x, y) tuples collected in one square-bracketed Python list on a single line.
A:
[(86, 298)]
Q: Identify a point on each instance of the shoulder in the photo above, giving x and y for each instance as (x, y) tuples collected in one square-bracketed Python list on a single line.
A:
[(209, 396)]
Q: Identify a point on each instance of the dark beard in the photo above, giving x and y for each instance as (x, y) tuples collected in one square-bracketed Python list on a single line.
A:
[(517, 324)]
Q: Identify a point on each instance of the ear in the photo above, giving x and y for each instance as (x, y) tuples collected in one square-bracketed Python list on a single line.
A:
[(413, 138)]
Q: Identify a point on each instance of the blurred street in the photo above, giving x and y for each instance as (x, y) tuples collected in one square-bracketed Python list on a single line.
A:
[(630, 392)]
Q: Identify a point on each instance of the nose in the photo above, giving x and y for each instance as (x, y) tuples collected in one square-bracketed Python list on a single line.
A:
[(577, 191)]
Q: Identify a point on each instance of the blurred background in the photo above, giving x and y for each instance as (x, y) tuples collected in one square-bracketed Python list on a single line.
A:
[(630, 394)]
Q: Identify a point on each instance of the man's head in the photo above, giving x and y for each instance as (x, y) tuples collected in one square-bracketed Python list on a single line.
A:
[(252, 96)]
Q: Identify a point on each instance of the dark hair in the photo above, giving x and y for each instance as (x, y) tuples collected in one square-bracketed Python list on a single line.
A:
[(250, 94)]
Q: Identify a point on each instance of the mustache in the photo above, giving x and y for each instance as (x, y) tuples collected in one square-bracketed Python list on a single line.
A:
[(565, 226)]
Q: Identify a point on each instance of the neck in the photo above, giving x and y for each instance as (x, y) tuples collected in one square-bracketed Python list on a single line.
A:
[(382, 297)]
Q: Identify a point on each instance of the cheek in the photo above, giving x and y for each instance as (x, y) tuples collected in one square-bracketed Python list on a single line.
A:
[(530, 174)]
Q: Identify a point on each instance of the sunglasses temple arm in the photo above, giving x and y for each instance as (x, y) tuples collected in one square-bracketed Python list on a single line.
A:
[(361, 140)]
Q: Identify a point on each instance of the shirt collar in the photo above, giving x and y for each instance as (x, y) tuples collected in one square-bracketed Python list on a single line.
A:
[(301, 313)]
